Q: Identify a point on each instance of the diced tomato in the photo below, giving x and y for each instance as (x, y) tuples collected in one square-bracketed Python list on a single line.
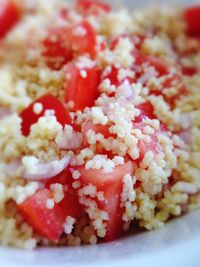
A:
[(64, 43), (70, 204), (97, 128), (81, 90), (191, 16), (57, 50), (144, 146), (46, 222), (84, 42), (189, 71), (160, 66), (49, 222), (9, 16), (146, 111), (87, 7), (113, 77), (135, 40), (48, 101), (111, 185)]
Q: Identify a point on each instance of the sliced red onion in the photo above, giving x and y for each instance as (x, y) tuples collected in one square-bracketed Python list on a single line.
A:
[(125, 90), (74, 142), (186, 136), (147, 76), (12, 166), (186, 120), (4, 112), (42, 171)]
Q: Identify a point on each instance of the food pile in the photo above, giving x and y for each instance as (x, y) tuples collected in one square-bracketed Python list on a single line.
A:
[(99, 120)]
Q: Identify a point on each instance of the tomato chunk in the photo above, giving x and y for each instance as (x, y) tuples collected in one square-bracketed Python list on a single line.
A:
[(92, 6), (82, 90), (160, 66), (57, 50), (49, 222), (46, 222), (191, 16), (48, 101), (62, 44), (111, 184), (97, 128), (84, 39), (146, 111), (9, 16)]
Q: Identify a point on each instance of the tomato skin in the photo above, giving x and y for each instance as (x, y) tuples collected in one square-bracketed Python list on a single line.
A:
[(111, 184), (97, 128), (49, 102), (160, 66), (146, 111), (87, 7), (85, 44), (9, 16), (49, 222), (191, 16), (46, 222), (81, 90), (62, 44), (56, 47)]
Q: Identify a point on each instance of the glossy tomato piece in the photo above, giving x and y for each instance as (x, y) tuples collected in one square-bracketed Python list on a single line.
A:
[(146, 111), (144, 146), (70, 204), (189, 71), (111, 184), (191, 16), (49, 102), (56, 47), (62, 44), (9, 16), (87, 7), (160, 65), (81, 86), (97, 128), (113, 77), (46, 222), (84, 39)]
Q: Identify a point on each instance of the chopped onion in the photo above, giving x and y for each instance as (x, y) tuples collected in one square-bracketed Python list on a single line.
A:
[(125, 90), (186, 136), (186, 120), (4, 112), (40, 171)]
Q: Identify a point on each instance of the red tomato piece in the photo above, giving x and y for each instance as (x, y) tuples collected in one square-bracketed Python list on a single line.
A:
[(87, 7), (81, 90), (189, 71), (111, 184), (84, 39), (191, 16), (143, 146), (113, 77), (9, 16), (97, 128), (49, 222), (48, 101), (57, 50), (46, 222), (70, 203), (62, 44), (146, 111), (137, 41), (160, 66)]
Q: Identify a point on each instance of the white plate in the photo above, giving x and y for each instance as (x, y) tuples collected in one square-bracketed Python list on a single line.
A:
[(176, 244)]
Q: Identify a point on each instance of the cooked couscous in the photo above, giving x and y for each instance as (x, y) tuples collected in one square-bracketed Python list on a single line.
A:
[(99, 120)]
